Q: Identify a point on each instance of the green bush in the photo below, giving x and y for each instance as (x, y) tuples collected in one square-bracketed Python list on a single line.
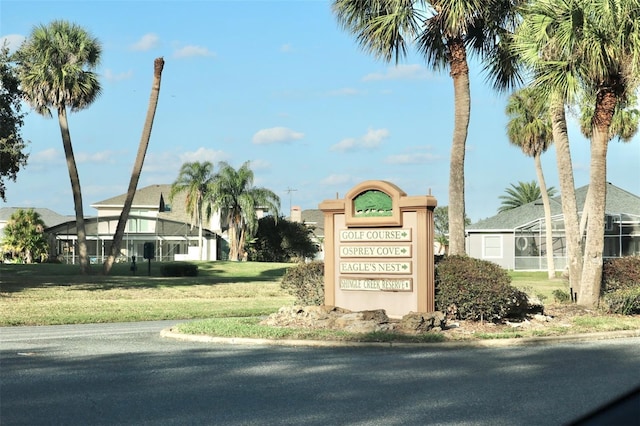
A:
[(625, 301), (561, 296), (177, 269), (305, 281), (477, 288), (621, 273)]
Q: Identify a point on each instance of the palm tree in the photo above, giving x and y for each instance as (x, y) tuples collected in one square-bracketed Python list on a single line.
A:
[(24, 236), (234, 195), (443, 30), (624, 126), (195, 179), (521, 194), (537, 48), (529, 128), (158, 65), (56, 67), (594, 47)]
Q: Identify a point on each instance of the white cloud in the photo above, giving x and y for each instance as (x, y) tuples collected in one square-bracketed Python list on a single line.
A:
[(50, 155), (372, 139), (12, 41), (259, 165), (411, 158), (276, 135), (96, 157), (191, 50), (111, 76), (400, 72), (203, 154), (147, 42), (336, 180), (286, 48)]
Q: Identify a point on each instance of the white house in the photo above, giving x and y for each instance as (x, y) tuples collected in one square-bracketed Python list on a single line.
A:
[(152, 218)]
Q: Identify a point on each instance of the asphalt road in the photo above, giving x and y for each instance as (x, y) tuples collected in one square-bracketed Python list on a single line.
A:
[(126, 374)]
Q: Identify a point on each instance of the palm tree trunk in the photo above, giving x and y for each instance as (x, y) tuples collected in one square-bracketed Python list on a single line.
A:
[(85, 266), (137, 166), (551, 267), (592, 268), (567, 190), (606, 101), (200, 233), (462, 101)]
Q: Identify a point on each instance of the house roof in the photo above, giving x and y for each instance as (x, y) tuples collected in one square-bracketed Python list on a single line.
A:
[(618, 202), (151, 197), (315, 218), (48, 216)]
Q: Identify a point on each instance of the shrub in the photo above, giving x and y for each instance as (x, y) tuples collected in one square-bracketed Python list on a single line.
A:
[(305, 281), (625, 301), (477, 288), (620, 273), (176, 269), (561, 296)]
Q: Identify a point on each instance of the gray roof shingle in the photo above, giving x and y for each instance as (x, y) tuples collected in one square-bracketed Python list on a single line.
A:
[(619, 201)]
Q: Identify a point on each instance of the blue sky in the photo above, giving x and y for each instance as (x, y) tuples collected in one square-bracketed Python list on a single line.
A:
[(277, 83)]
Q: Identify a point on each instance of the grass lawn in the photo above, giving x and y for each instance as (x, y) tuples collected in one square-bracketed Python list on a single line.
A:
[(227, 299), (44, 294), (538, 284)]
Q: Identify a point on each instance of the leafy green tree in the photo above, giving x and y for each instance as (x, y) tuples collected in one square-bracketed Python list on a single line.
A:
[(444, 30), (521, 194), (529, 128), (281, 241), (575, 47), (234, 195), (441, 224), (196, 180), (24, 236), (56, 67), (12, 155)]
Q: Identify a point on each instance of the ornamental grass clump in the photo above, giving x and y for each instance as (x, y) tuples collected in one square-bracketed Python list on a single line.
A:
[(475, 289)]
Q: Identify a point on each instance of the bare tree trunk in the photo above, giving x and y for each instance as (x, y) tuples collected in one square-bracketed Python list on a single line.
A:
[(568, 193), (551, 267), (85, 265), (462, 100), (137, 167)]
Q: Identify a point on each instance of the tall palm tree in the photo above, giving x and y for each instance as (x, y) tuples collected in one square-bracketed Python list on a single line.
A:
[(592, 46), (443, 31), (56, 66), (195, 179), (234, 195), (158, 65), (530, 129)]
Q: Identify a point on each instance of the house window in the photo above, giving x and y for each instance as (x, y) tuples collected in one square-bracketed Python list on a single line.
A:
[(492, 246)]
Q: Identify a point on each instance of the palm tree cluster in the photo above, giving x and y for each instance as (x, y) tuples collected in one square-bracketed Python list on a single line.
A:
[(567, 52), (232, 193)]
